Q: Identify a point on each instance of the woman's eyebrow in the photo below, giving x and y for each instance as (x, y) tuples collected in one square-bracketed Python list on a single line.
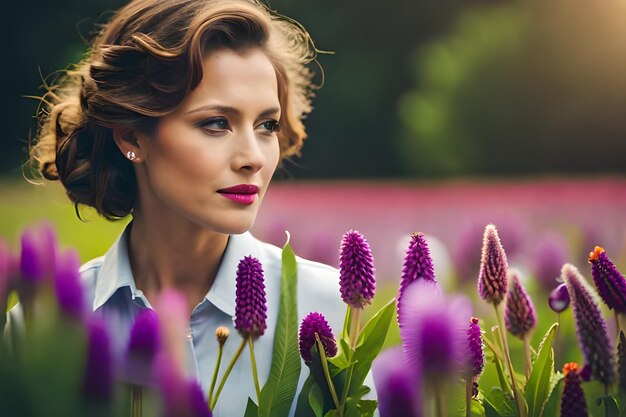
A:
[(233, 110)]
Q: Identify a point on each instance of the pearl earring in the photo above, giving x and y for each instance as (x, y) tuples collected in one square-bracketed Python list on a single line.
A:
[(131, 155)]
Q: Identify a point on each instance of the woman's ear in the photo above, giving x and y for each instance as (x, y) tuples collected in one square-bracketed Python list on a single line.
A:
[(127, 142)]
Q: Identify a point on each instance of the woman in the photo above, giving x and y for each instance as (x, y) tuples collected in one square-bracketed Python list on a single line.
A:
[(179, 116)]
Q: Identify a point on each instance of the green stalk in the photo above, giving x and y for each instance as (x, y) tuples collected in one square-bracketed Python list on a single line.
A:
[(255, 375), (507, 356), (440, 403), (355, 326), (230, 368), (468, 395), (527, 355), (331, 386), (136, 401), (215, 372)]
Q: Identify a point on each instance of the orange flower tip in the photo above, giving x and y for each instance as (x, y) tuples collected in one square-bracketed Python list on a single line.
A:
[(570, 367), (595, 255), (222, 334)]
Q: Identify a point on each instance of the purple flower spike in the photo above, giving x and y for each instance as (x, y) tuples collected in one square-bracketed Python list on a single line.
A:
[(396, 388), (493, 267), (197, 403), (520, 317), (316, 323), (67, 284), (573, 402), (433, 329), (38, 253), (609, 281), (475, 343), (356, 270), (5, 275), (145, 337), (559, 299), (250, 304), (98, 382), (417, 264), (591, 329)]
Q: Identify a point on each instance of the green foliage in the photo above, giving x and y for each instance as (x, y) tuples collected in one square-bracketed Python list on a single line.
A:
[(278, 393), (537, 389)]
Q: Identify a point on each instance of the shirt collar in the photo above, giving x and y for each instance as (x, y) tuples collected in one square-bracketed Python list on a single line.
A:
[(116, 273)]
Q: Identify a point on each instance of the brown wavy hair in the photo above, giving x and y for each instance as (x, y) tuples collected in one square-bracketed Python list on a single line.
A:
[(141, 65)]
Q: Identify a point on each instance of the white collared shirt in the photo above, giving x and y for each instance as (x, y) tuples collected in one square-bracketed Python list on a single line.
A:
[(111, 291)]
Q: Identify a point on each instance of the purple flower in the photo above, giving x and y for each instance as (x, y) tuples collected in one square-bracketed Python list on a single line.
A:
[(475, 343), (356, 270), (609, 281), (591, 330), (433, 329), (549, 255), (180, 397), (396, 388), (98, 381), (171, 307), (250, 304), (519, 317), (67, 284), (316, 323), (573, 402), (493, 267), (559, 299), (143, 345), (38, 253), (417, 264)]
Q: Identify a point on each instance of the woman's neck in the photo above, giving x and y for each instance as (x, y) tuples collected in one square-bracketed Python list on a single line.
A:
[(174, 254)]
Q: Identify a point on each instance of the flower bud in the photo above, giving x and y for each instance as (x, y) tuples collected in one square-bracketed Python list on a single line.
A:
[(356, 270)]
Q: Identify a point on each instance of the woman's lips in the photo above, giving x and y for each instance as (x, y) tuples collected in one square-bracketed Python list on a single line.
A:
[(242, 193)]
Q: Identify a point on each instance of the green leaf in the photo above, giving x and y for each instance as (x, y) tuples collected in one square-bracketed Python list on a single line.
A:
[(350, 409), (303, 407), (503, 403), (495, 357), (280, 389), (367, 408), (538, 386), (331, 413), (316, 400), (251, 409), (553, 404), (610, 404), (477, 409), (373, 334)]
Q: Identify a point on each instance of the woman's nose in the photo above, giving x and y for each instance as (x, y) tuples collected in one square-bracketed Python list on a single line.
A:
[(248, 154)]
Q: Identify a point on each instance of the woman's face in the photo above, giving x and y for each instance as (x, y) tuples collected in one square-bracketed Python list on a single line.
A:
[(211, 160)]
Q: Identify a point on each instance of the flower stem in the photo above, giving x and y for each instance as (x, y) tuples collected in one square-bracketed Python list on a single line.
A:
[(355, 326), (507, 358), (468, 395), (331, 386), (606, 404), (527, 356), (136, 401), (440, 403), (215, 373), (255, 375), (230, 368)]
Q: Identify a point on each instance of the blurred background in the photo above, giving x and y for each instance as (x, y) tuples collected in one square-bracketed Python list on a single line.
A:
[(435, 116)]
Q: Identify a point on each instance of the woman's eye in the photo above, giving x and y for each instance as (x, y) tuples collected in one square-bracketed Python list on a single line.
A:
[(218, 123), (271, 126)]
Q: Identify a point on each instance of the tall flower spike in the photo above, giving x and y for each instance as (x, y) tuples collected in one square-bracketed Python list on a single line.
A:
[(493, 267), (356, 270), (519, 317), (573, 402), (98, 381), (475, 344), (316, 323), (250, 303), (591, 329), (39, 248), (397, 390), (67, 284), (143, 345), (417, 264), (609, 281), (433, 329)]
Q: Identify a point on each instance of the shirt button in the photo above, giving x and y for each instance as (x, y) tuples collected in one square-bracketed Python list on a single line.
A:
[(190, 335)]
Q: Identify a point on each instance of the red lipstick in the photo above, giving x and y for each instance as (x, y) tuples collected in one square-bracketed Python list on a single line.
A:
[(242, 193)]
